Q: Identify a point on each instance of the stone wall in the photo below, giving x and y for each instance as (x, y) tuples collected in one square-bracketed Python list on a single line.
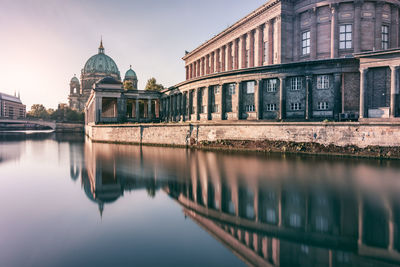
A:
[(340, 134)]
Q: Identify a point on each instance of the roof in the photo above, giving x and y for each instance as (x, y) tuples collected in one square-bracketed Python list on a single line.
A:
[(10, 98)]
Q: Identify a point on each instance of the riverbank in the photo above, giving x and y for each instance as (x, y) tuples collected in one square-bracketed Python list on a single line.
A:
[(359, 139)]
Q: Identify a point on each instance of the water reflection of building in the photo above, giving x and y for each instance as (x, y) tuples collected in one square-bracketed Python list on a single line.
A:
[(269, 212), (284, 222)]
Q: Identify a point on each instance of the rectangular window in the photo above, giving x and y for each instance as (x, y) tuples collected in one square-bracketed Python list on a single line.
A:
[(265, 51), (323, 105), (296, 83), (271, 85), (231, 88), (305, 43), (216, 89), (385, 37), (346, 36), (295, 106), (250, 87), (271, 107), (323, 82), (250, 108)]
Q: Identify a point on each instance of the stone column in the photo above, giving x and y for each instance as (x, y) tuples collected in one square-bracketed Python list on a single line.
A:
[(337, 94), (208, 64), (260, 46), (235, 101), (378, 25), (223, 96), (258, 98), (334, 31), (309, 87), (363, 89), (270, 25), (242, 51), (313, 33), (212, 70), (208, 102), (230, 56), (223, 59), (195, 104), (394, 33), (251, 56), (137, 109), (357, 25), (394, 91), (187, 72), (282, 98), (150, 115), (238, 100), (236, 53)]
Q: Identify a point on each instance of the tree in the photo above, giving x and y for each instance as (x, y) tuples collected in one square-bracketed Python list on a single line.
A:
[(153, 86), (128, 85), (38, 111)]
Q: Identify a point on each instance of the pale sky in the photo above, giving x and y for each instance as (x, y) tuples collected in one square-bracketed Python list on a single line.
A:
[(43, 43)]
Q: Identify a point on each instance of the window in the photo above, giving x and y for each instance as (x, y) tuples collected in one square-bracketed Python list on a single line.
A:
[(323, 82), (231, 88), (296, 83), (346, 36), (385, 37), (295, 106), (271, 216), (295, 220), (215, 108), (323, 105), (247, 58), (216, 89), (250, 108), (321, 224), (306, 43), (271, 107), (265, 51), (250, 87), (271, 85)]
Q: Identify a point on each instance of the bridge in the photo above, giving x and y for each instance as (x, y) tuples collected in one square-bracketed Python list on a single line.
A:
[(10, 124), (26, 122)]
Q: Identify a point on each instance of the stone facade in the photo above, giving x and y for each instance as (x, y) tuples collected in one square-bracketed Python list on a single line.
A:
[(339, 134), (304, 60), (11, 107)]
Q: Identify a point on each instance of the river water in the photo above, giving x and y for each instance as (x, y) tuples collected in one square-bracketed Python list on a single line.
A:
[(65, 201)]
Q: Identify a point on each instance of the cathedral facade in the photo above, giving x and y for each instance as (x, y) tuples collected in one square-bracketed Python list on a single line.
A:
[(96, 68)]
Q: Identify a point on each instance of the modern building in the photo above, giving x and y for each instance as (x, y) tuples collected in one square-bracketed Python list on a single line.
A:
[(295, 60), (96, 68), (11, 107)]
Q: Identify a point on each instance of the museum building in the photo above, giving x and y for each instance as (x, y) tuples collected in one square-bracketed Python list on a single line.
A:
[(295, 60), (11, 107)]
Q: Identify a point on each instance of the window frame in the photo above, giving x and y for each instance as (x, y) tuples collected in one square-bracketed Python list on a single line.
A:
[(296, 83), (345, 34), (271, 85), (323, 82), (306, 43), (385, 35), (296, 106)]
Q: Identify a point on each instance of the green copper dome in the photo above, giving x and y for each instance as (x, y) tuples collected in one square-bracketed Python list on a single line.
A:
[(101, 63), (130, 74), (74, 79)]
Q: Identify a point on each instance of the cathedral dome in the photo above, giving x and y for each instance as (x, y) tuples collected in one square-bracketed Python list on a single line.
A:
[(130, 74), (101, 63)]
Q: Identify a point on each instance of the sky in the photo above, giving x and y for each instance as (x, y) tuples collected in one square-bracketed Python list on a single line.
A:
[(43, 43)]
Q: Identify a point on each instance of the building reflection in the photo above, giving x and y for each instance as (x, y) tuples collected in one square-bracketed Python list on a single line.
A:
[(273, 211)]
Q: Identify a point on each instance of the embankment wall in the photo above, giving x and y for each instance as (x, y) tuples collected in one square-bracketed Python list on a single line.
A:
[(183, 134)]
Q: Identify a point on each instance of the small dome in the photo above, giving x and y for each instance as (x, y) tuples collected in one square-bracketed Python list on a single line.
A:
[(130, 74), (108, 80), (74, 79)]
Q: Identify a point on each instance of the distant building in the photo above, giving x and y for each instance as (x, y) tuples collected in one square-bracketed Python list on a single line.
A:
[(11, 107), (96, 68)]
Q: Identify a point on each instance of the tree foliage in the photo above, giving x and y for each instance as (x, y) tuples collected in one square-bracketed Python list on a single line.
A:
[(128, 85), (65, 114), (153, 86)]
